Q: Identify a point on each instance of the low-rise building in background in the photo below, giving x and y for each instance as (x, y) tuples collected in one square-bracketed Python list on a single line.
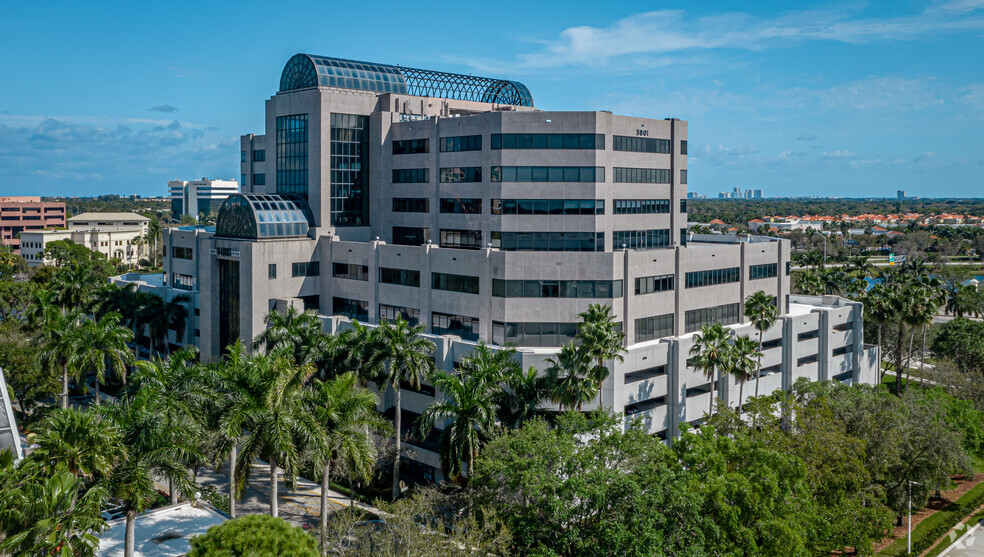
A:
[(115, 235), (196, 197), (21, 213)]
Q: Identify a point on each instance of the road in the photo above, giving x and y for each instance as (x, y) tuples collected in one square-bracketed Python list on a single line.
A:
[(884, 264), (968, 545)]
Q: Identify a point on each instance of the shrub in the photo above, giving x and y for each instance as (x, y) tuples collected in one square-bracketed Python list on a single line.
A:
[(256, 535)]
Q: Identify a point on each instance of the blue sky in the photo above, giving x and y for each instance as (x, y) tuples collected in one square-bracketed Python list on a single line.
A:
[(798, 98)]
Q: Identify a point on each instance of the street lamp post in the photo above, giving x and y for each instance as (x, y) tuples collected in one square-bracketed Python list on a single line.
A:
[(909, 524)]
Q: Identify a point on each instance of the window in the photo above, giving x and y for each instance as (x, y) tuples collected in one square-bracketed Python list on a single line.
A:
[(305, 269), (770, 344), (640, 239), (182, 253), (658, 283), (788, 266), (392, 313), (259, 155), (464, 239), (424, 389), (683, 147), (697, 318), (461, 325), (548, 174), (640, 144), (683, 176), (651, 328), (713, 277), (454, 283), (350, 271), (641, 175), (556, 288), (461, 174), (182, 282), (815, 333), (640, 206), (411, 205), (841, 351), (349, 170), (242, 156), (768, 270), (462, 143), (402, 277), (533, 334), (292, 154), (806, 360), (410, 236), (242, 180), (411, 146), (272, 271), (461, 205), (548, 206), (353, 309), (548, 141), (844, 326), (410, 175), (644, 405), (683, 205), (259, 179), (549, 241), (643, 374)]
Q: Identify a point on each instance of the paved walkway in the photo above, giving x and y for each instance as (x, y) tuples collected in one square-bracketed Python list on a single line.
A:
[(968, 545), (301, 507)]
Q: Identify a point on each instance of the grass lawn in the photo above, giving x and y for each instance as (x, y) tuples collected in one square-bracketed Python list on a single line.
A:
[(937, 524)]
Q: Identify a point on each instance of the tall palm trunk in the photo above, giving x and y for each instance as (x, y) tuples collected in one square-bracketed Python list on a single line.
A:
[(758, 372), (710, 405), (325, 475), (908, 361), (899, 354), (130, 541), (601, 392), (232, 480), (172, 492), (741, 394), (882, 374), (396, 459), (64, 395), (274, 510), (922, 355)]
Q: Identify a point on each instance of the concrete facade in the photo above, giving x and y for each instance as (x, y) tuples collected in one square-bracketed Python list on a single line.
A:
[(515, 227), (25, 213)]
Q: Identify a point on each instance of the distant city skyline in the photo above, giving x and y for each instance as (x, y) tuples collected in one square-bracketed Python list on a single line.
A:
[(796, 98)]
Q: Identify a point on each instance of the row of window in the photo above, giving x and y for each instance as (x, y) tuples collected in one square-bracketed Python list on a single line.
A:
[(548, 141), (549, 241), (461, 325), (652, 328), (411, 175), (533, 334), (768, 270), (697, 318), (392, 313), (402, 277), (641, 175), (713, 277), (640, 239), (182, 253), (461, 143), (411, 146), (648, 285), (548, 206), (353, 309), (411, 205), (534, 206), (556, 288), (458, 174), (454, 283), (304, 269), (465, 239), (350, 271), (548, 174), (468, 206), (640, 206), (640, 144)]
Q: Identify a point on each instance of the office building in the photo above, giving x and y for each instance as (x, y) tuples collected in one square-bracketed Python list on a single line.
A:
[(115, 235), (451, 201), (21, 213), (198, 197), (900, 194)]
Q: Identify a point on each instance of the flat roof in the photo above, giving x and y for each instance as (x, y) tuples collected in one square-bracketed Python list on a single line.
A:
[(163, 532), (108, 216)]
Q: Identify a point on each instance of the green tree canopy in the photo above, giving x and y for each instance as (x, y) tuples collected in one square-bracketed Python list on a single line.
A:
[(255, 535)]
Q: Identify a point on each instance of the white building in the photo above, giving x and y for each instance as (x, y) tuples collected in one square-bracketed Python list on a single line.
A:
[(199, 196), (115, 235)]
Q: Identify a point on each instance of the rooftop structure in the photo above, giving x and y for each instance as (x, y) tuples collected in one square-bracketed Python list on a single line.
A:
[(163, 532)]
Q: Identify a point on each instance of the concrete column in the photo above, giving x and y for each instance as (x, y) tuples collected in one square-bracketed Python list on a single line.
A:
[(676, 411), (788, 353), (823, 345)]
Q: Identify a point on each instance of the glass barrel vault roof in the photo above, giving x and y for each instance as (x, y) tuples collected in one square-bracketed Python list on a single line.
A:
[(305, 70), (257, 216)]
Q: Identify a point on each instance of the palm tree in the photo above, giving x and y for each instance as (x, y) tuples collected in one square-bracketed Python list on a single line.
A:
[(272, 410), (61, 341), (347, 412), (152, 452), (570, 378), (105, 347), (602, 340), (862, 266), (519, 399), (234, 383), (493, 366), (300, 332), (744, 359), (154, 235), (761, 310), (162, 317), (406, 358), (73, 286), (812, 258), (87, 445), (181, 390), (49, 514), (811, 284), (710, 352)]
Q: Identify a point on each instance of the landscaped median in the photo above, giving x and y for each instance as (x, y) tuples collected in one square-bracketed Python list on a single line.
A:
[(928, 532)]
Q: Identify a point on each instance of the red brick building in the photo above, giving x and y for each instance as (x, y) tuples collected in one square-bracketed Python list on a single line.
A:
[(27, 213)]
